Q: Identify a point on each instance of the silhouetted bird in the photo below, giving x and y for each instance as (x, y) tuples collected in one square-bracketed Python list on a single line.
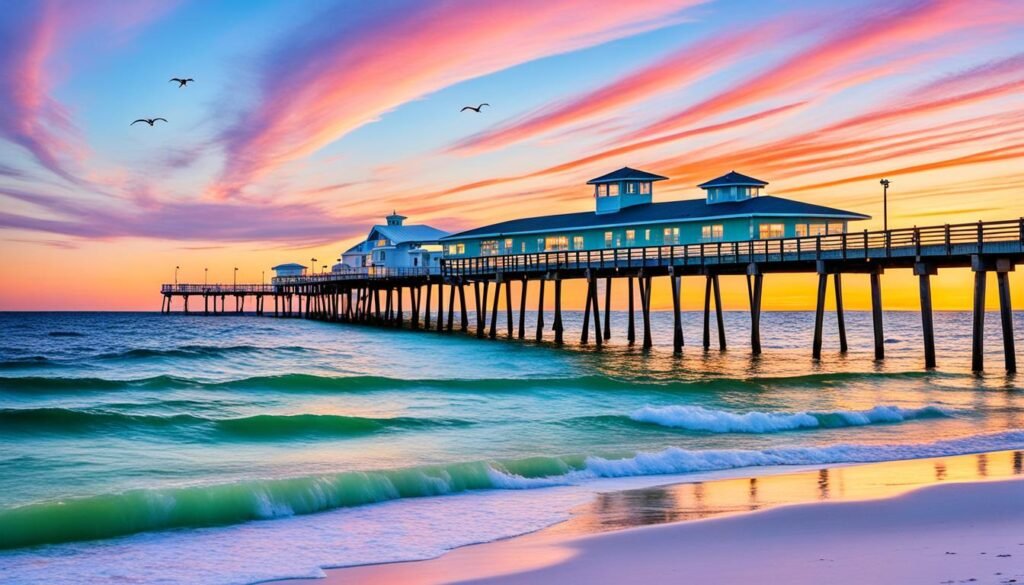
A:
[(149, 121), (181, 82), (476, 109)]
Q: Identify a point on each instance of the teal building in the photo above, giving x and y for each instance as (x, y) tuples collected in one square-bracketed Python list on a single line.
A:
[(626, 215)]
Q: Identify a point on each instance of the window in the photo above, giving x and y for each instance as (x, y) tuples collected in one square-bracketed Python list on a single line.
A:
[(540, 244), (645, 188), (556, 243), (630, 237), (602, 190), (508, 245), (771, 230), (522, 247), (381, 242), (577, 243), (613, 189), (836, 228), (489, 248), (801, 230), (670, 236), (462, 248), (608, 242), (452, 249), (712, 233), (647, 235), (631, 188)]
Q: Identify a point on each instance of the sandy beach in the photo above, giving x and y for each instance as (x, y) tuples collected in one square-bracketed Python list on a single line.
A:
[(970, 532)]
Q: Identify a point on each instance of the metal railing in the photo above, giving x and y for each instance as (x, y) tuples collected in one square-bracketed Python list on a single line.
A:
[(930, 241), (372, 272), (216, 289)]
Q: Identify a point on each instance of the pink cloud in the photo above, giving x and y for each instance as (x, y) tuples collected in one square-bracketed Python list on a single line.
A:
[(883, 31), (680, 68), (345, 70)]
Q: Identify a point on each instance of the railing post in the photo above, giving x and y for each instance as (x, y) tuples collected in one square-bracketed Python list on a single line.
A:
[(949, 241), (981, 237)]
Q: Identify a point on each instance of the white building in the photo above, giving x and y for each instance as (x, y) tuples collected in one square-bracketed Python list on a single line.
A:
[(290, 269), (395, 245)]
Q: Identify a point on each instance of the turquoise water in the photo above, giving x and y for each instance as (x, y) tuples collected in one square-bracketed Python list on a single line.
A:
[(130, 440)]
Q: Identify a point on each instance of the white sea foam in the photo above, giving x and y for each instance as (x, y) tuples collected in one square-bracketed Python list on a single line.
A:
[(697, 418)]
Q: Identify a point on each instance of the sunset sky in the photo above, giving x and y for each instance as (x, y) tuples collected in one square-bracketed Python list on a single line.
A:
[(310, 121)]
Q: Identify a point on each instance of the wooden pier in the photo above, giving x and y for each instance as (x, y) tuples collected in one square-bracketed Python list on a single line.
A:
[(375, 296)]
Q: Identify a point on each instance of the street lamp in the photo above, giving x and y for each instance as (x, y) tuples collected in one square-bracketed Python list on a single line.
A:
[(324, 271), (234, 278), (176, 268), (312, 267), (885, 204), (206, 272), (263, 277)]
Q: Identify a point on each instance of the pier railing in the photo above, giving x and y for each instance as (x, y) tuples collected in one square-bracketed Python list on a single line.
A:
[(916, 242), (216, 289), (372, 272)]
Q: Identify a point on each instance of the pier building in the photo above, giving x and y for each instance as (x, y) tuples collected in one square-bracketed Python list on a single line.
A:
[(395, 245), (626, 216)]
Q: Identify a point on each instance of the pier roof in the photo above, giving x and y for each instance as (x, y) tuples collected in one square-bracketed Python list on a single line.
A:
[(288, 265), (626, 174), (399, 234), (669, 211)]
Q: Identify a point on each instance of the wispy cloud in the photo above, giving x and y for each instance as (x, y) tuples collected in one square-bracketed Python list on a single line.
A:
[(347, 68)]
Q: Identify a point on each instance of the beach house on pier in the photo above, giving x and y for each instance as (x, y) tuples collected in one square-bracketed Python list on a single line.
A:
[(290, 269), (625, 215), (394, 245)]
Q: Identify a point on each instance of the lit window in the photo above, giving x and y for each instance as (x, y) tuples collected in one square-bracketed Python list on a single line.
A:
[(608, 241), (540, 244), (647, 235), (556, 243), (451, 249), (613, 189), (489, 248), (508, 244), (836, 228), (577, 242), (462, 249), (381, 242), (630, 188), (670, 235), (522, 246), (817, 229), (630, 237), (712, 233), (771, 230), (645, 188), (801, 230)]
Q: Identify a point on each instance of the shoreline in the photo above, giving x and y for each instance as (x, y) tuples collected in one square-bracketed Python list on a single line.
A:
[(640, 534)]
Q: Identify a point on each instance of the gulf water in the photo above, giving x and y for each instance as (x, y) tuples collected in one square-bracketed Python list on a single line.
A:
[(148, 448)]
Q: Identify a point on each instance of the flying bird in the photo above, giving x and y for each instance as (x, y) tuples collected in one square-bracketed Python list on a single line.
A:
[(476, 109), (149, 121), (181, 82)]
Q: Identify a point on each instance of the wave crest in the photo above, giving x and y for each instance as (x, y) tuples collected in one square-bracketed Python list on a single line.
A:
[(697, 418)]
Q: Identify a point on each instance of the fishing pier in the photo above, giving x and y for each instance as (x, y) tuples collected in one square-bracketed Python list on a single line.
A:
[(406, 297)]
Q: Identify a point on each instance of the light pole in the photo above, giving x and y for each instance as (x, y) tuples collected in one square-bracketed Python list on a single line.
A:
[(206, 273), (176, 268), (234, 278), (263, 277), (324, 271), (312, 267), (885, 204)]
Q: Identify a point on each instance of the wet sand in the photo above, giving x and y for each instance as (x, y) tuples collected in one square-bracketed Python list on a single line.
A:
[(876, 523)]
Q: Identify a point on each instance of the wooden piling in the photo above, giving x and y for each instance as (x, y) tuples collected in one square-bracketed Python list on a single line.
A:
[(819, 314), (540, 312), (607, 308), (630, 326), (837, 281), (707, 313), (755, 314), (464, 322), (677, 325), (719, 316), (426, 308), (924, 273), (876, 314), (451, 307), (440, 305), (645, 292), (978, 329), (585, 335), (1006, 318), (522, 308), (557, 324), (597, 315), (494, 310), (508, 308)]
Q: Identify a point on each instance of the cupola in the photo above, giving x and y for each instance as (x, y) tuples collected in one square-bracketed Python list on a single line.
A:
[(395, 219), (732, 186), (623, 188)]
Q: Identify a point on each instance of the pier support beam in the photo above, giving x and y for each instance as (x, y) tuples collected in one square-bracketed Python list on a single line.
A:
[(522, 308), (712, 287), (630, 326), (1003, 269), (426, 308), (540, 311), (645, 300), (978, 328), (754, 292), (508, 309), (819, 314), (607, 308), (451, 307), (440, 306), (557, 324), (494, 311), (597, 313), (585, 335), (876, 314), (924, 272), (837, 281), (464, 317), (677, 325)]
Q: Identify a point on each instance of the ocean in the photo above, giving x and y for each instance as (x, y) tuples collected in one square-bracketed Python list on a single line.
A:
[(149, 448)]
